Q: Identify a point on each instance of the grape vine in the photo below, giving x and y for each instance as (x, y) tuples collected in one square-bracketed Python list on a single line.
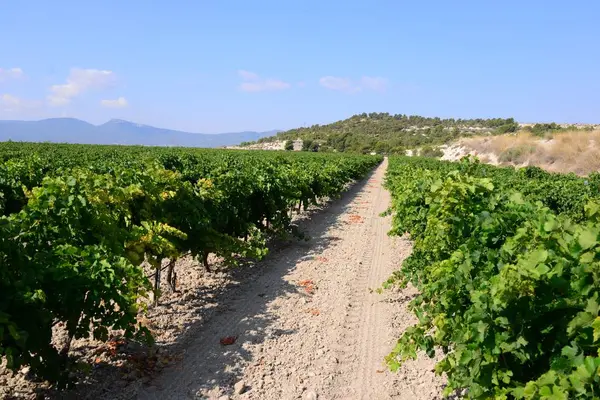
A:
[(507, 265)]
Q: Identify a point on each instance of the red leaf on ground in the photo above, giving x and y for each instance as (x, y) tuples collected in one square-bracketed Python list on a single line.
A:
[(357, 219), (228, 340), (308, 285)]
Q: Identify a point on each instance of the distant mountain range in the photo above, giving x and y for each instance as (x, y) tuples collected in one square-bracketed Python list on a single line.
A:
[(116, 131)]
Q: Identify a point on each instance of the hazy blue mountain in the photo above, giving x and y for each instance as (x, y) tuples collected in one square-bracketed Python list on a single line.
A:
[(116, 131)]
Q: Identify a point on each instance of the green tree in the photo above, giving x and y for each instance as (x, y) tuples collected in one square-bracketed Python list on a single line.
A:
[(306, 144), (381, 147), (289, 145)]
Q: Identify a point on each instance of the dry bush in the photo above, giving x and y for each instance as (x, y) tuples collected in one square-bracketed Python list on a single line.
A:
[(574, 151), (499, 144)]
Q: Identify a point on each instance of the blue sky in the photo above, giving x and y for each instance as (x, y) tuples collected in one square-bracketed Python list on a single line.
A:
[(222, 66)]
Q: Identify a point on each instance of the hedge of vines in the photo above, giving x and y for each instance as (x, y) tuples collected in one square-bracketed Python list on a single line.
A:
[(507, 263)]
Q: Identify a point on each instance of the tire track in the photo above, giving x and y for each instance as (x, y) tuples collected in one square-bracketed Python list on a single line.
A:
[(369, 319)]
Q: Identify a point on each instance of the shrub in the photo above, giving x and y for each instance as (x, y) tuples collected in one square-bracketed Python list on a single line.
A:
[(432, 152), (517, 154)]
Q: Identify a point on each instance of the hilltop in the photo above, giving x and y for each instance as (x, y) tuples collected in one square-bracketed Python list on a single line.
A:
[(387, 133)]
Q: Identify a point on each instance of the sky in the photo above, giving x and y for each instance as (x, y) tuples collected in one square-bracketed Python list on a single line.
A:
[(225, 66)]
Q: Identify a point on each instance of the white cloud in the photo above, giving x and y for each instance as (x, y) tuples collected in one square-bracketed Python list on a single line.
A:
[(247, 75), (78, 82), (347, 85), (121, 102), (11, 73), (337, 83), (254, 83), (12, 103)]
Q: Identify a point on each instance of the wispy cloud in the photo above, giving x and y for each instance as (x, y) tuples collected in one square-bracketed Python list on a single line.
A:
[(121, 102), (11, 73), (78, 82), (247, 75), (252, 82), (348, 85), (337, 83), (12, 103)]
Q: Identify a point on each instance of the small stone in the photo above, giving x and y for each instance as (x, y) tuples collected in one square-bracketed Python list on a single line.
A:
[(309, 395), (239, 387), (224, 397)]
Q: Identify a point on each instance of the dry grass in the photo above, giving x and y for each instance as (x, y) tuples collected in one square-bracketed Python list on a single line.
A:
[(576, 151)]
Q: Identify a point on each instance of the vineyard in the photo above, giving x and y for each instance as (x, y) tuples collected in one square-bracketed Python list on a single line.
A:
[(505, 262), (507, 265), (78, 222)]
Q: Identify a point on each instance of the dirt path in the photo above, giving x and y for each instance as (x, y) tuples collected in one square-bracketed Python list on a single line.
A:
[(309, 326)]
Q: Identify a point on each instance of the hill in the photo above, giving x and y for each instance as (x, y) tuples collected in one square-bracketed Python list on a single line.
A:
[(387, 133), (116, 131)]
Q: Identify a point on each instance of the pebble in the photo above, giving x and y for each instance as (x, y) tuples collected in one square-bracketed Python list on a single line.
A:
[(309, 395), (239, 387)]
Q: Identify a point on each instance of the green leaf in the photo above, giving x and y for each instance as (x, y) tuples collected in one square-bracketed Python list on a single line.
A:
[(587, 239), (550, 225), (596, 327), (13, 332)]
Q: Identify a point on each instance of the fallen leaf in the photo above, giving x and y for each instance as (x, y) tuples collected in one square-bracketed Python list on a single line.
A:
[(355, 218), (228, 340), (308, 285)]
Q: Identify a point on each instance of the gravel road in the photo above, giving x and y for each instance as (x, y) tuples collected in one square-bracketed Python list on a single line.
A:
[(310, 325)]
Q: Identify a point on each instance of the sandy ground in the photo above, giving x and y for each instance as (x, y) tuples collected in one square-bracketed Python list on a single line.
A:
[(305, 322)]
